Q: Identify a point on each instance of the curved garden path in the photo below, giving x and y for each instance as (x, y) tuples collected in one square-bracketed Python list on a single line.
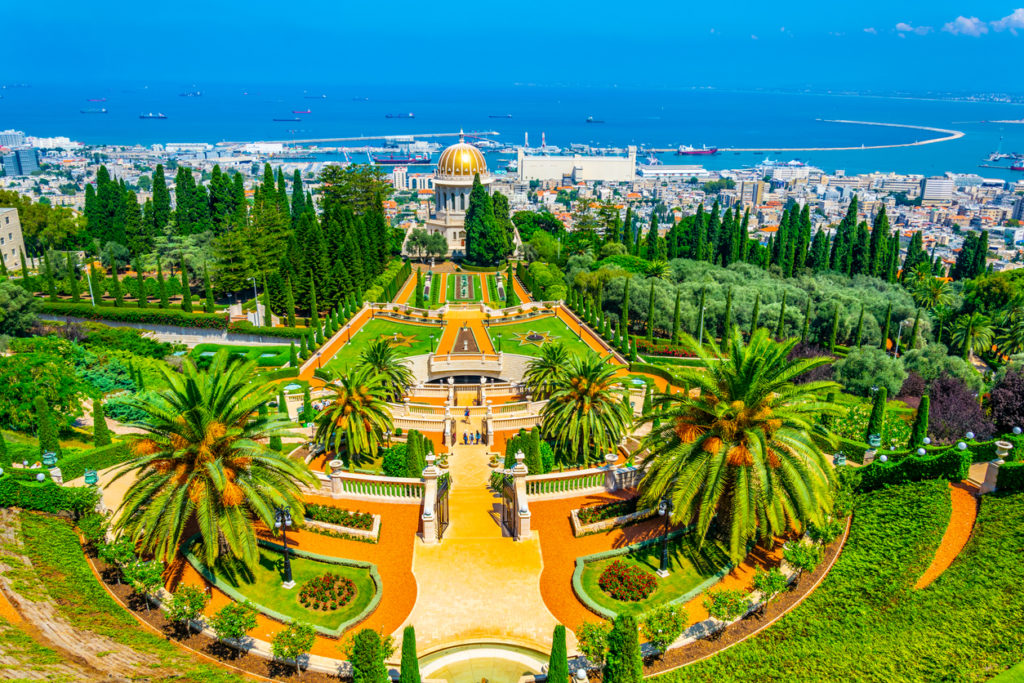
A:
[(963, 497)]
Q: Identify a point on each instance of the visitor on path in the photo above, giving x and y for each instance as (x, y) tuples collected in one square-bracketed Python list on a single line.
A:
[(478, 437), (467, 413), (465, 439)]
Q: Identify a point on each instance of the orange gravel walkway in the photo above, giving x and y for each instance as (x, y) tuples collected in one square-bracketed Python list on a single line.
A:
[(961, 524), (483, 288), (327, 352), (560, 550), (521, 292), (409, 288), (392, 555)]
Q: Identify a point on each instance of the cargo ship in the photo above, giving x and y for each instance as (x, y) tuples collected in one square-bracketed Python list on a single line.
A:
[(591, 119), (305, 111), (401, 160), (1017, 166), (93, 110), (151, 115), (499, 116), (292, 119), (686, 150), (410, 115)]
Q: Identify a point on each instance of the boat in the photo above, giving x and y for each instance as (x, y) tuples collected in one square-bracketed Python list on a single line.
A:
[(499, 116), (1018, 166), (292, 119), (93, 110), (686, 150), (400, 160), (360, 99), (410, 115), (151, 115), (591, 119), (304, 111), (97, 99), (190, 93), (315, 97)]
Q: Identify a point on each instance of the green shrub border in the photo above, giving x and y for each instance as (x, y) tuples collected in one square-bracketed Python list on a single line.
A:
[(951, 464), (577, 574), (238, 597), (246, 327), (151, 316), (1011, 477)]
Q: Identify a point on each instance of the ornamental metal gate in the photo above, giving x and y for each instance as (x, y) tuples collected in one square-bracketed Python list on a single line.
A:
[(444, 484), (508, 504)]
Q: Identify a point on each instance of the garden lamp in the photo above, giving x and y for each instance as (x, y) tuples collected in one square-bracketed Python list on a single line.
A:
[(49, 458), (962, 446), (969, 435), (926, 441), (883, 458), (664, 510), (283, 520), (921, 451), (1016, 430), (40, 477)]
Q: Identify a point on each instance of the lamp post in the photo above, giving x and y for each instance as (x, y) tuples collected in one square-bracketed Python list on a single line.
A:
[(899, 337), (256, 302), (431, 343), (664, 510), (499, 342), (387, 435), (283, 520)]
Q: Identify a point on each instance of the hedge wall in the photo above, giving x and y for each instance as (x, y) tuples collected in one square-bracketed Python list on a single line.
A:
[(951, 464), (96, 459), (152, 316), (386, 286), (1011, 477), (46, 496), (246, 327)]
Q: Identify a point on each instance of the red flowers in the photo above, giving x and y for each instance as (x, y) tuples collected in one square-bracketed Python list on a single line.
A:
[(327, 592), (626, 582)]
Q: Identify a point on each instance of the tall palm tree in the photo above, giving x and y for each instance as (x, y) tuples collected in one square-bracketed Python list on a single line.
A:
[(384, 360), (356, 415), (544, 371), (973, 334), (1011, 337), (745, 450), (658, 269), (204, 458), (588, 409), (932, 292)]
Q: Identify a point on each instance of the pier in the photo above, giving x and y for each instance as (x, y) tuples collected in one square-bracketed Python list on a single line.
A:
[(312, 141)]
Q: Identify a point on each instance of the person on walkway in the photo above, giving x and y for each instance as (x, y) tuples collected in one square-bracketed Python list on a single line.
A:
[(467, 413), (478, 437), (465, 438)]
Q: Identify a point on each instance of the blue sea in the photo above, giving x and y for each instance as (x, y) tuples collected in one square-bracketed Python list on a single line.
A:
[(653, 118)]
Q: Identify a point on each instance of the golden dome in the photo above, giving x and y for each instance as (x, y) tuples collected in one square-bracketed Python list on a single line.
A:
[(461, 160)]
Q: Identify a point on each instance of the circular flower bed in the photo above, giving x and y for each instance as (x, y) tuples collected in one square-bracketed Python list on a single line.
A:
[(626, 582), (327, 592)]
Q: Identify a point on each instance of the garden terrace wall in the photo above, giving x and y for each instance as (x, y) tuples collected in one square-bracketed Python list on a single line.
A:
[(238, 597), (1011, 477), (951, 464), (153, 316)]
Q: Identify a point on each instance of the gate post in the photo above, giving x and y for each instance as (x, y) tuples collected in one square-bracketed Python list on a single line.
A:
[(611, 482), (337, 468), (429, 501), (522, 512)]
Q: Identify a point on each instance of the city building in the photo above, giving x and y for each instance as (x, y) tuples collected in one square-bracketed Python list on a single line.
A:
[(400, 178), (11, 241), (751, 192), (937, 190), (614, 169), (11, 138), (20, 161)]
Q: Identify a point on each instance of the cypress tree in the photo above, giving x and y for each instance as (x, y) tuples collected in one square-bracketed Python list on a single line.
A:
[(877, 419), (675, 320), (208, 305), (143, 299), (650, 314), (756, 314), (289, 302), (885, 328), (307, 406), (161, 284), (96, 285), (913, 330), (47, 430), (5, 458), (318, 337), (700, 311), (100, 433), (860, 327), (72, 276), (807, 321), (410, 671), (115, 286), (727, 318), (532, 460), (780, 327), (558, 663), (624, 320), (418, 300), (268, 320), (920, 428), (624, 663), (186, 291), (282, 403), (51, 285), (314, 314), (293, 357), (24, 269), (878, 256), (651, 246), (835, 329), (303, 349)]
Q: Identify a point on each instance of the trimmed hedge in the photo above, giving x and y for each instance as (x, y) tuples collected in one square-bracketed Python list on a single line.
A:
[(1011, 477), (951, 464), (283, 373), (246, 327), (96, 459), (150, 316), (46, 496), (386, 286)]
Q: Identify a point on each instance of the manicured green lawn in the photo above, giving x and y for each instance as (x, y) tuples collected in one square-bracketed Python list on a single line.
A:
[(264, 587), (381, 327), (688, 566), (265, 356), (474, 287), (492, 292), (558, 330), (435, 291)]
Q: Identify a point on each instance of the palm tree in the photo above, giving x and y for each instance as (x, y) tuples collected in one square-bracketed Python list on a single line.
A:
[(544, 371), (356, 415), (1011, 338), (383, 360), (588, 409), (973, 334), (204, 458), (658, 269), (745, 449), (932, 292)]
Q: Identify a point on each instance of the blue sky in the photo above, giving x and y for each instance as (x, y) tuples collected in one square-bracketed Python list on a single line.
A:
[(891, 44)]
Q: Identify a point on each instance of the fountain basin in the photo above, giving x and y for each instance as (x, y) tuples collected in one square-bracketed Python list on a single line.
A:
[(491, 662)]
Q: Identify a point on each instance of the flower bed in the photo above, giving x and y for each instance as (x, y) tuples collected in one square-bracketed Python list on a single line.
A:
[(346, 518), (597, 513), (627, 582), (327, 592)]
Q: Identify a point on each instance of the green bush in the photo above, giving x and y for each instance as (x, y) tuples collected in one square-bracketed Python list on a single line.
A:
[(150, 316), (246, 327), (951, 465), (72, 467), (46, 496), (1011, 477)]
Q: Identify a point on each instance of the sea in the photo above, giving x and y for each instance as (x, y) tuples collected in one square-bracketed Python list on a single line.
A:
[(649, 118)]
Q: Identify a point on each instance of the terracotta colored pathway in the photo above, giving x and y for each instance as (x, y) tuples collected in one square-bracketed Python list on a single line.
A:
[(961, 524), (408, 290)]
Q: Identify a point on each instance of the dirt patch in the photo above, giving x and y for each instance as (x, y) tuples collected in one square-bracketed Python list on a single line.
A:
[(465, 341)]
